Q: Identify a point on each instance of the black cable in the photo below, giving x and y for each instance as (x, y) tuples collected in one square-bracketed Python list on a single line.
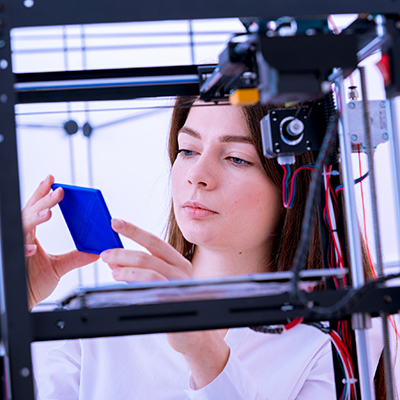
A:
[(341, 309), (347, 304), (302, 250)]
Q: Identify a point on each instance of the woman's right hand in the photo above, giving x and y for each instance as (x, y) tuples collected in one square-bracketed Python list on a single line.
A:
[(45, 270)]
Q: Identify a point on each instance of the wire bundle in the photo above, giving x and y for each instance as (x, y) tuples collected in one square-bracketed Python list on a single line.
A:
[(346, 362), (289, 186)]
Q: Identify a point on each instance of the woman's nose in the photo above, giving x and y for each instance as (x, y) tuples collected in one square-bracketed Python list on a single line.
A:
[(202, 173)]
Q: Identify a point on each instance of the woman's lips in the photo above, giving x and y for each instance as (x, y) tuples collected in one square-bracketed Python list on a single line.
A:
[(197, 210)]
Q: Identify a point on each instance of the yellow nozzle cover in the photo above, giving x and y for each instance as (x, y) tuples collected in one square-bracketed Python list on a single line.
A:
[(244, 97)]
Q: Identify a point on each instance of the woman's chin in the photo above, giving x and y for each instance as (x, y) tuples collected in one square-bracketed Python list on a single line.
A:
[(201, 237)]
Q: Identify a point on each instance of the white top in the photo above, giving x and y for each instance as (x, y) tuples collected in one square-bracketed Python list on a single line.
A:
[(296, 364)]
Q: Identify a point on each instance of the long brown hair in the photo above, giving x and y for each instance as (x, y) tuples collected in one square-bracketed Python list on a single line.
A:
[(287, 235)]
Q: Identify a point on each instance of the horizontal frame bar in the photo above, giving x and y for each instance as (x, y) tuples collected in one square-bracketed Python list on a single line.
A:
[(110, 84), (51, 12), (195, 315)]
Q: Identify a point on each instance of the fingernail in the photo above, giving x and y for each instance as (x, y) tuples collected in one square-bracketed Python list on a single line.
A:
[(54, 192), (45, 179), (104, 255), (118, 223), (115, 272), (43, 212), (30, 247)]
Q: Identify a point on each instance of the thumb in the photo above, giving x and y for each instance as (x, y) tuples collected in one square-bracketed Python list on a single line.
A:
[(72, 260)]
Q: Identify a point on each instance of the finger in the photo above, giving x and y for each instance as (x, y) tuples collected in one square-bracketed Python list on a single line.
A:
[(47, 201), (130, 274), (30, 250), (43, 189), (139, 259), (155, 245), (74, 259), (32, 220)]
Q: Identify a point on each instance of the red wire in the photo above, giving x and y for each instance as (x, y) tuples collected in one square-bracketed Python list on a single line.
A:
[(292, 182), (296, 321), (284, 186), (349, 344), (394, 326), (346, 358), (329, 220), (342, 356)]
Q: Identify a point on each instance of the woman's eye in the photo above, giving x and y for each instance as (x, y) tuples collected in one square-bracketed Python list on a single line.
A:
[(239, 161), (185, 152)]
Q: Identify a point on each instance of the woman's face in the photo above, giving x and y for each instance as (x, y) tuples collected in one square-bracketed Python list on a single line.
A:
[(223, 199)]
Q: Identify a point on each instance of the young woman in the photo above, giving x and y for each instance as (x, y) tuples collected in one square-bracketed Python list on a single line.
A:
[(227, 218)]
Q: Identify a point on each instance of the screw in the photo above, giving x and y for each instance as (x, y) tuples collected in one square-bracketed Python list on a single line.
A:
[(387, 298), (353, 138), (61, 324), (351, 105), (84, 317), (385, 136), (382, 104), (3, 64), (24, 372), (3, 98), (353, 93), (2, 44)]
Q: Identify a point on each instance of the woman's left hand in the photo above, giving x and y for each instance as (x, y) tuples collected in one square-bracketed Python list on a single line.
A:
[(205, 351)]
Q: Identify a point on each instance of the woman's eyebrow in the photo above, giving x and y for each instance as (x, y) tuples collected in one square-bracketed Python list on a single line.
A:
[(189, 131), (223, 139), (235, 138)]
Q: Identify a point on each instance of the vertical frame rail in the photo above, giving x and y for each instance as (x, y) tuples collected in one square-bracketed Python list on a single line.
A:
[(15, 316), (360, 322)]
